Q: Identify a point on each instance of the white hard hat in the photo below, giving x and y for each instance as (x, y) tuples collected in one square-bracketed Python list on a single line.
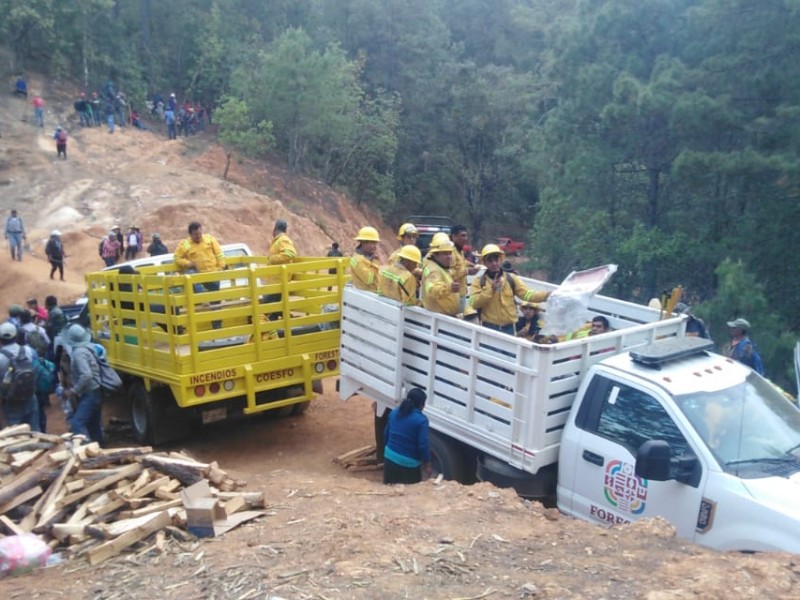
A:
[(55, 232)]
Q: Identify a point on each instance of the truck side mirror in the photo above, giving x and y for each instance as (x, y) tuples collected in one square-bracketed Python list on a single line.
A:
[(653, 460)]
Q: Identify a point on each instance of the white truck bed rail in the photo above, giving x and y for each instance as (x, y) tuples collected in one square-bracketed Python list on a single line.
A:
[(503, 395)]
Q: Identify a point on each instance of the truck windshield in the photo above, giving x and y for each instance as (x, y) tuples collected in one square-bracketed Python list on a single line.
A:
[(751, 428)]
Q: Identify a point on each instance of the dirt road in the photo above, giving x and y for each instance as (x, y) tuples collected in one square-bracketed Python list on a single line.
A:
[(332, 534)]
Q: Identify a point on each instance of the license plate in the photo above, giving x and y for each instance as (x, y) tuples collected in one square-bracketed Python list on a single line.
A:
[(214, 414)]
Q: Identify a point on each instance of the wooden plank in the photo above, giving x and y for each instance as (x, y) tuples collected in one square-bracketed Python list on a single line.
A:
[(21, 499), (234, 505), (122, 473), (15, 430), (149, 488), (253, 499), (23, 462), (114, 547), (342, 458), (151, 508), (50, 498), (11, 526)]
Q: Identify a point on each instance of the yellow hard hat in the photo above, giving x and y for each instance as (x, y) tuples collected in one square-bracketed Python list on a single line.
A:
[(438, 238), (407, 229), (491, 249), (470, 313), (411, 253), (443, 244), (534, 305), (368, 234)]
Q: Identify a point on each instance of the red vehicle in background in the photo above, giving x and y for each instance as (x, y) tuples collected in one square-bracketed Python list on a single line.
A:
[(511, 246)]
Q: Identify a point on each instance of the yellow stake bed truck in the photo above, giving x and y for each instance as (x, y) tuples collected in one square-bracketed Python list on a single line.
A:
[(207, 346)]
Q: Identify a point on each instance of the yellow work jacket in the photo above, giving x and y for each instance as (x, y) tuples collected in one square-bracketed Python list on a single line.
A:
[(459, 270), (281, 252), (364, 271), (398, 283), (437, 295), (499, 308), (206, 255)]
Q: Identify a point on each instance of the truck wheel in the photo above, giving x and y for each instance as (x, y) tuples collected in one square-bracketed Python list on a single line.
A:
[(155, 418), (540, 486), (451, 459)]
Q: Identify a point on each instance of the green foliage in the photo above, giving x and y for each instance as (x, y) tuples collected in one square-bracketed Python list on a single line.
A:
[(740, 295), (236, 128), (662, 135)]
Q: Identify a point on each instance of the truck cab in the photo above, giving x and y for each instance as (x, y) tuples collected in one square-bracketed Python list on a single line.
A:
[(428, 226), (674, 431)]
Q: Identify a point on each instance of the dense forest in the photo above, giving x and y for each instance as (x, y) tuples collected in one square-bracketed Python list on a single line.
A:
[(661, 135)]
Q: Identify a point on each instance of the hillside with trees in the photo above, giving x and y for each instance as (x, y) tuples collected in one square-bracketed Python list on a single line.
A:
[(659, 135)]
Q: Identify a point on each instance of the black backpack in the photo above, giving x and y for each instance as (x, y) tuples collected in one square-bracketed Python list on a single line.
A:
[(19, 383)]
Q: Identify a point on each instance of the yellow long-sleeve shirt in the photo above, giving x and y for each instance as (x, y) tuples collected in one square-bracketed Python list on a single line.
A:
[(205, 255), (498, 307), (364, 271), (398, 283), (282, 250), (437, 295), (459, 270)]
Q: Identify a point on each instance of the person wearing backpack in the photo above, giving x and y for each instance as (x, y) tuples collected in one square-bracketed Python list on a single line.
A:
[(17, 380), (84, 384), (493, 292), (60, 136)]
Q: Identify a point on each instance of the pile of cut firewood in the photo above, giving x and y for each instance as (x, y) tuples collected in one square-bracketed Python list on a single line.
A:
[(360, 459), (84, 500)]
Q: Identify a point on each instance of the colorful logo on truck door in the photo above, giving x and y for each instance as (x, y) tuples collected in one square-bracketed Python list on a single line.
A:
[(623, 489)]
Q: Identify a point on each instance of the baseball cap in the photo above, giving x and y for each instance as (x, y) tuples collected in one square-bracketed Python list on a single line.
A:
[(739, 323)]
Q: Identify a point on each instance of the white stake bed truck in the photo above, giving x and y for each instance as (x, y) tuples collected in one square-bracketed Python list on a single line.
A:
[(638, 422)]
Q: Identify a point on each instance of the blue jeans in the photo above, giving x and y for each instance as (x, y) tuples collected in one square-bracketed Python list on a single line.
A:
[(110, 260), (39, 114), (25, 413), (110, 122), (88, 416), (509, 329), (15, 243)]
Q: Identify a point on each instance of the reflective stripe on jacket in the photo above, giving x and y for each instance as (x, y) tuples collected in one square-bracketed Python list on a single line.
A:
[(364, 271), (206, 255), (499, 308), (398, 283), (437, 294)]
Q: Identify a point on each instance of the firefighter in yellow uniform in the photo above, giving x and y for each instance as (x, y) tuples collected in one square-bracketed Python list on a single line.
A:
[(199, 253), (281, 251), (439, 292), (397, 280), (493, 292), (364, 265), (461, 267), (407, 234)]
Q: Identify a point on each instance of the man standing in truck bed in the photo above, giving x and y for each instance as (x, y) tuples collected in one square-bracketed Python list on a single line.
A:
[(200, 253), (493, 292)]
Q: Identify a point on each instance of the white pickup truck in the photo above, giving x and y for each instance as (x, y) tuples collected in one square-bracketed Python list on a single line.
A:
[(638, 422)]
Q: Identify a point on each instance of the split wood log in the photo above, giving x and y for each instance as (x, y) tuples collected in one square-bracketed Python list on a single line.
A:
[(12, 528), (26, 445), (252, 499), (114, 456), (151, 508), (122, 473), (187, 472), (15, 430), (113, 547), (24, 497), (343, 458), (25, 459), (35, 474)]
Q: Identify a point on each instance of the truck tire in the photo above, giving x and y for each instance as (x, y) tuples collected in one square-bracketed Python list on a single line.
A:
[(540, 486), (451, 458), (155, 418)]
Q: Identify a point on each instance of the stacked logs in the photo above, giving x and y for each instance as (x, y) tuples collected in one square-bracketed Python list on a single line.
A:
[(87, 501)]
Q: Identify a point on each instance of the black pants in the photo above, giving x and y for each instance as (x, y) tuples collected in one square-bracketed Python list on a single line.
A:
[(394, 473), (61, 149), (57, 265)]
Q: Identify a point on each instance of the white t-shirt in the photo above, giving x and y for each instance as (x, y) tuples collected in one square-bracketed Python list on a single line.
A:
[(133, 240)]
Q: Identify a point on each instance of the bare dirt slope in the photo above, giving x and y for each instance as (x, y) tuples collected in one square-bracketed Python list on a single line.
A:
[(328, 533), (133, 177)]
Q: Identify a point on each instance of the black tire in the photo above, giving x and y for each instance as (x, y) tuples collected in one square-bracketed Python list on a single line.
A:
[(451, 458), (155, 418)]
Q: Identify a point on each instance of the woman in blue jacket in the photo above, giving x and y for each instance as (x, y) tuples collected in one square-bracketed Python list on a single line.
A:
[(407, 448)]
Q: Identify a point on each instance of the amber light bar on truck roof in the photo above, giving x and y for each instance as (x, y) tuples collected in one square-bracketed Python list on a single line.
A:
[(664, 351)]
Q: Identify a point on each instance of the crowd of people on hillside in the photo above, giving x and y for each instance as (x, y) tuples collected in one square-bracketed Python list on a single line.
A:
[(110, 107)]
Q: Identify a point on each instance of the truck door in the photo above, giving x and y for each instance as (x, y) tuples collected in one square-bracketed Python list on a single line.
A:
[(613, 421)]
